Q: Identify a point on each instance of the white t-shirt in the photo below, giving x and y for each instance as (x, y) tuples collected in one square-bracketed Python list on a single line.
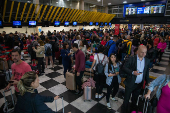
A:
[(101, 56)]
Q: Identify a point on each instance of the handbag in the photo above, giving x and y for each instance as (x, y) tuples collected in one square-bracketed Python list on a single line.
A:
[(154, 100)]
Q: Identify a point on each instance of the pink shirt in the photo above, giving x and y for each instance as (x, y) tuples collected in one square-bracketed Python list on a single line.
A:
[(19, 70), (28, 42), (162, 45)]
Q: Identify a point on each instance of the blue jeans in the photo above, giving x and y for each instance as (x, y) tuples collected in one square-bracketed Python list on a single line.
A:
[(123, 56)]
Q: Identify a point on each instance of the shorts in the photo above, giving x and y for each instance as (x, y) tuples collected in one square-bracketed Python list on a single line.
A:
[(48, 55)]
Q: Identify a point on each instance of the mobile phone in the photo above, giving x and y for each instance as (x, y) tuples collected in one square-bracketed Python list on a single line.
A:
[(10, 81), (141, 72)]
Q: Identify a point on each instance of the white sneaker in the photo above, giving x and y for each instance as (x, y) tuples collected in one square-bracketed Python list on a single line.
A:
[(101, 95), (96, 96), (108, 106), (114, 99)]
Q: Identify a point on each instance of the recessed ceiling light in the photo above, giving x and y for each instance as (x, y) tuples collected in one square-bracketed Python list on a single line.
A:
[(143, 0), (68, 0), (99, 0), (109, 3), (29, 1), (57, 2), (125, 2)]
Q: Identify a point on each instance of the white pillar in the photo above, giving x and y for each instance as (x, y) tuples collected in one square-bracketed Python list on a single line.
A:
[(141, 26), (36, 2), (106, 9), (81, 5)]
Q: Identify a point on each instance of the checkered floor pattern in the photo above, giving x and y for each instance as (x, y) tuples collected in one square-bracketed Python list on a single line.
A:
[(53, 83)]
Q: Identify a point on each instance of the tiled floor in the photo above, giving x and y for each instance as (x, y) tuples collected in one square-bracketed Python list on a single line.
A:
[(53, 83)]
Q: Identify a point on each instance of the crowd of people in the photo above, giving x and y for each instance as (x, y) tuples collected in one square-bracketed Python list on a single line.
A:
[(141, 48)]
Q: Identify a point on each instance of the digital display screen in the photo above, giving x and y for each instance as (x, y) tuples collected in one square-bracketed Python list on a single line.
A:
[(143, 10), (0, 23), (110, 24), (57, 23), (140, 10), (147, 10), (101, 23), (66, 23), (131, 10), (74, 23), (91, 23), (105, 23), (16, 23), (97, 23), (157, 9), (32, 23)]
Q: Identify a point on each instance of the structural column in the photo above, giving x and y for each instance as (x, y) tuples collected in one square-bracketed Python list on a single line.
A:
[(106, 9), (36, 2), (37, 27), (81, 5), (141, 26)]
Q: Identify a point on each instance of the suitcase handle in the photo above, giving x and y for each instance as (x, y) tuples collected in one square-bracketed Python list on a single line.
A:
[(7, 90), (62, 104), (145, 108)]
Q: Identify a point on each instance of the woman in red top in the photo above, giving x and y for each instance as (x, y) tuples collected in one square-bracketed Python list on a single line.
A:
[(103, 42)]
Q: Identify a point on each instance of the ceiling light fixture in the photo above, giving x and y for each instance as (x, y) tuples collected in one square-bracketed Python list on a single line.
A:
[(68, 0), (125, 2), (109, 3), (29, 1), (99, 0), (143, 0), (57, 2)]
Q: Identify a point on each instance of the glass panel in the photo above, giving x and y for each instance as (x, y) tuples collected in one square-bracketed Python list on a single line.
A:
[(120, 15), (121, 6), (115, 10), (120, 10), (110, 11), (167, 12), (168, 7)]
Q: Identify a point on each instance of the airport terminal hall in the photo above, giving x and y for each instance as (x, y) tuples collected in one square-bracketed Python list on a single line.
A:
[(84, 56)]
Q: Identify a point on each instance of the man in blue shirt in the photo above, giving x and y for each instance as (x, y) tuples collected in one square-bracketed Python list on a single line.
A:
[(137, 73), (112, 44)]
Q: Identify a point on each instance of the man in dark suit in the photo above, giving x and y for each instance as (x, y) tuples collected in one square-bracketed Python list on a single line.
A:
[(136, 71)]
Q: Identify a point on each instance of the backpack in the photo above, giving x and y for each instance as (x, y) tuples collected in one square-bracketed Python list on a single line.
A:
[(30, 50), (106, 50), (100, 67), (87, 35), (48, 51), (123, 46), (56, 47)]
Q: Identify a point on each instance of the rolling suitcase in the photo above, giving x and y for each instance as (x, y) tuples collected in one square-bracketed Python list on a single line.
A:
[(145, 107), (143, 104), (87, 92), (8, 106), (62, 105), (70, 81)]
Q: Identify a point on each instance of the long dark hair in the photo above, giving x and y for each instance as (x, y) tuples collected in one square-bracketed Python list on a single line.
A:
[(110, 62), (64, 45)]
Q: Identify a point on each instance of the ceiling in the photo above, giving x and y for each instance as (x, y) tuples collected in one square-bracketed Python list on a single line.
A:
[(114, 2)]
